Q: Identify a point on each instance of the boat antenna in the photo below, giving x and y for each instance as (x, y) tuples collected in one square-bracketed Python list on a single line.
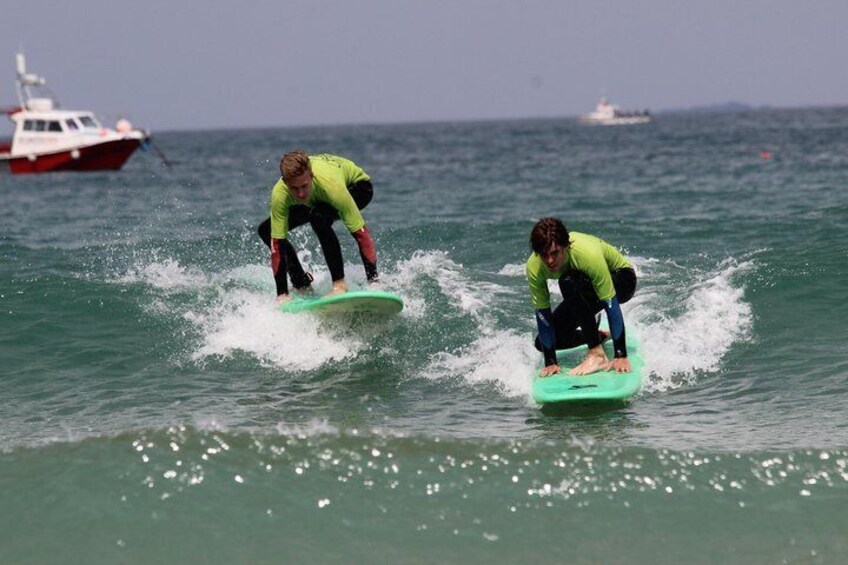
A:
[(28, 81)]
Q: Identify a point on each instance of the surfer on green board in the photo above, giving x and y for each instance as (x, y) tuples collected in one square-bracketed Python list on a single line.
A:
[(593, 276), (318, 190)]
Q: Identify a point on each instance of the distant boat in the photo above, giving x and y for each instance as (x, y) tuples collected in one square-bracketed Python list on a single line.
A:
[(606, 114), (49, 139)]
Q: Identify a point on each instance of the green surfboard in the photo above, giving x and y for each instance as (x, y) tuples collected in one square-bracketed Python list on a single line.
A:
[(366, 301), (600, 386)]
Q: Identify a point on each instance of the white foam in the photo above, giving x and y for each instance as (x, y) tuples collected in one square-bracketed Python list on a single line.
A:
[(166, 275), (713, 316), (470, 297), (246, 321), (685, 326), (513, 270), (503, 357), (234, 312), (313, 428)]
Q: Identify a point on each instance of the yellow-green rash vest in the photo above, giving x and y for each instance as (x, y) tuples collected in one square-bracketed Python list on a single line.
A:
[(588, 254), (331, 177)]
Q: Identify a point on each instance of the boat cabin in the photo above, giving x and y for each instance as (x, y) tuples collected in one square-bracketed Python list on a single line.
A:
[(37, 131)]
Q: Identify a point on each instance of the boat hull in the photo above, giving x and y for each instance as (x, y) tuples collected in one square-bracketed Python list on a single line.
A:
[(109, 155), (617, 121)]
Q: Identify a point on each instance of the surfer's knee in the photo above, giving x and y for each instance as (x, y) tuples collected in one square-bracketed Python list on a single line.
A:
[(624, 281), (538, 344), (568, 287)]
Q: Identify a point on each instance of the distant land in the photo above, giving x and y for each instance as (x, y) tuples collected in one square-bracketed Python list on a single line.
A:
[(714, 108)]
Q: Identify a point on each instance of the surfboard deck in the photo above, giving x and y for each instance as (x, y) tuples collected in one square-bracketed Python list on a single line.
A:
[(367, 301), (600, 386)]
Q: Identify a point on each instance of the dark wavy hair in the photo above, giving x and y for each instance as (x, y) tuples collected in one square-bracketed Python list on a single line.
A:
[(548, 231)]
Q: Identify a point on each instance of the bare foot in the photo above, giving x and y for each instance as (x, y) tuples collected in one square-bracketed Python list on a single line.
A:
[(339, 287), (594, 362)]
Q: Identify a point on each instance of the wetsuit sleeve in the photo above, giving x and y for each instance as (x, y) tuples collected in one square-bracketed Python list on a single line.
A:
[(278, 266), (366, 252), (547, 335), (616, 322)]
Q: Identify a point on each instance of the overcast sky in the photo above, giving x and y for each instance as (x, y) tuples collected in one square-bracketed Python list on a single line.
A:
[(187, 64)]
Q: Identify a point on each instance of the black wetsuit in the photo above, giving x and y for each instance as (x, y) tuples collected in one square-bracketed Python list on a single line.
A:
[(321, 218), (580, 305)]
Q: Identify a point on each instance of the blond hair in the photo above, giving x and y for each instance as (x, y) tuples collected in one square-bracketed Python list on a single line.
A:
[(294, 164)]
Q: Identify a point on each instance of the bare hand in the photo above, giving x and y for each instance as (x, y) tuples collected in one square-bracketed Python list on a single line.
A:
[(549, 370), (619, 365), (594, 362)]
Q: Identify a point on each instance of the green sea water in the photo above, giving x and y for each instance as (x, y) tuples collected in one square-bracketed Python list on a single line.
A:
[(156, 407)]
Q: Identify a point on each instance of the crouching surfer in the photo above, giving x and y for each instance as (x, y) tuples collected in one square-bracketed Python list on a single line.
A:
[(317, 189), (593, 276)]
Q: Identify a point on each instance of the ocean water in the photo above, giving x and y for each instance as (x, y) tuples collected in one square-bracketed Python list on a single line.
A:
[(155, 408)]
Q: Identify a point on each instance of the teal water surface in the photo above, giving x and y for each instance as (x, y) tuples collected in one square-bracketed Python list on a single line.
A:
[(157, 408)]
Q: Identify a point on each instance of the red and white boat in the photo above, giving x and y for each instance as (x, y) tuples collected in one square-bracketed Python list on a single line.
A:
[(47, 138)]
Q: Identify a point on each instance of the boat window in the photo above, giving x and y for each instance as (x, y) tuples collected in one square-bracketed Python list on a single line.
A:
[(72, 125), (40, 125), (88, 122), (54, 126), (29, 125)]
